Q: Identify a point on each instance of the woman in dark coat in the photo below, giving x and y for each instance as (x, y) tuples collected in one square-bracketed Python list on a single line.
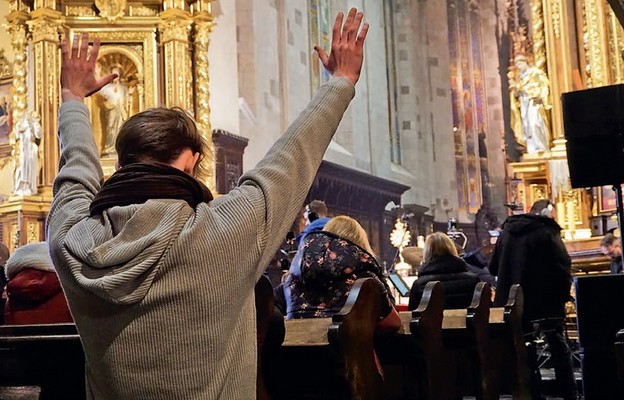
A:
[(442, 263)]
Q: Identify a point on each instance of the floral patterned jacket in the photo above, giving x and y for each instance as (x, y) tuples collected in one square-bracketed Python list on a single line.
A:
[(329, 266)]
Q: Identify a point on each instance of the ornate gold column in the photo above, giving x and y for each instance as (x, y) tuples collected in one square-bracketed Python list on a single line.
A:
[(18, 30), (595, 43), (46, 27), (175, 30), (554, 22), (615, 43), (204, 23)]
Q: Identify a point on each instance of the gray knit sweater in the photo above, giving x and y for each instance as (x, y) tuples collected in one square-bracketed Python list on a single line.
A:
[(162, 294)]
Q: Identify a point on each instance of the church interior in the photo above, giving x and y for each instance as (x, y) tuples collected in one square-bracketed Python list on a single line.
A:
[(457, 124)]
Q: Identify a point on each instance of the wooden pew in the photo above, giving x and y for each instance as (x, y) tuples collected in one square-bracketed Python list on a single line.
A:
[(507, 347), (478, 351), (49, 357), (333, 358), (452, 342)]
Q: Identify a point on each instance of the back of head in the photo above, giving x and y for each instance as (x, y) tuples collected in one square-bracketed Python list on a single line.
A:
[(348, 228), (609, 239), (159, 134), (438, 244), (543, 208), (317, 209)]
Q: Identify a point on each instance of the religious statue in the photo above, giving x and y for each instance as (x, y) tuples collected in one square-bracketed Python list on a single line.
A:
[(27, 137), (115, 110), (529, 92)]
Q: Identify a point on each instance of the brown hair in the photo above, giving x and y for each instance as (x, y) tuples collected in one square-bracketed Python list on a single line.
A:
[(436, 245), (348, 228), (160, 134), (318, 207)]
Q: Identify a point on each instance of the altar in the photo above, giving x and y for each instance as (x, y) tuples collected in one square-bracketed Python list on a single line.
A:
[(159, 49)]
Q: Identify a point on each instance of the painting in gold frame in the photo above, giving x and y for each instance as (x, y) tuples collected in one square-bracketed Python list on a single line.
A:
[(606, 199), (6, 121)]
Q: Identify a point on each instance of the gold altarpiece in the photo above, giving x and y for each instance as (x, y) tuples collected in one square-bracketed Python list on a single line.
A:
[(577, 45), (160, 50)]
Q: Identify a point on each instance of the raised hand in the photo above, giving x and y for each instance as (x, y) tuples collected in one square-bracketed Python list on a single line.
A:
[(78, 78), (347, 48)]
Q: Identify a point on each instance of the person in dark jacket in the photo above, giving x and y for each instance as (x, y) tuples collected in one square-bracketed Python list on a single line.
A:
[(477, 261), (530, 252), (442, 263)]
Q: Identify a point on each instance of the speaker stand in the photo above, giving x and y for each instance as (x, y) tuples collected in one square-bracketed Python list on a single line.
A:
[(620, 213)]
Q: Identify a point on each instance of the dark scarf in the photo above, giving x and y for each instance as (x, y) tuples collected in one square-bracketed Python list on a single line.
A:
[(136, 183)]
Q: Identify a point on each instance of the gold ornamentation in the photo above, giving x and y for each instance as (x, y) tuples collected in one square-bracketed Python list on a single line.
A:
[(18, 32), (615, 44), (555, 14), (32, 232), (203, 27), (79, 11), (142, 11), (175, 34), (596, 52), (111, 9), (5, 66), (539, 43)]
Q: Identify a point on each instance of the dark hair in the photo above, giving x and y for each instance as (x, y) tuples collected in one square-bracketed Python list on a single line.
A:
[(541, 207), (160, 134), (608, 240)]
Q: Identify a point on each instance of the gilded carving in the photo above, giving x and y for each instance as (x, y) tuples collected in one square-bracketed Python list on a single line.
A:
[(175, 34), (5, 66), (596, 52), (79, 11), (111, 9), (556, 10), (32, 232), (142, 11), (615, 44), (539, 43), (18, 32), (203, 28)]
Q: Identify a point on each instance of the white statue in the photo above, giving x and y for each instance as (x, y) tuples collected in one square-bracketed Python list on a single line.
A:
[(27, 137), (529, 103), (116, 107)]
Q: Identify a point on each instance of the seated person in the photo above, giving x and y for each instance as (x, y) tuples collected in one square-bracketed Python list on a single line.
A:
[(331, 261), (33, 291), (477, 261), (442, 263)]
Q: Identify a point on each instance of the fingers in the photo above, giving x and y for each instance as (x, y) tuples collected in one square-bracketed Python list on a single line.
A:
[(75, 42), (95, 49), (362, 36), (101, 83), (64, 49), (322, 55), (352, 30), (337, 28), (347, 25), (84, 45)]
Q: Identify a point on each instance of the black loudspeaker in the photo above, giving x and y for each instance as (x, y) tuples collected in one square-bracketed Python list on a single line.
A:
[(593, 122), (599, 316)]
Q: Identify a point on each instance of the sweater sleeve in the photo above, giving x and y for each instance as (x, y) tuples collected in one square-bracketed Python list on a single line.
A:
[(276, 188), (80, 173)]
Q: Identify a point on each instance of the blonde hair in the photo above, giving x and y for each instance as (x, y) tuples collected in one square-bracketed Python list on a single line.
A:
[(436, 245), (348, 228)]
